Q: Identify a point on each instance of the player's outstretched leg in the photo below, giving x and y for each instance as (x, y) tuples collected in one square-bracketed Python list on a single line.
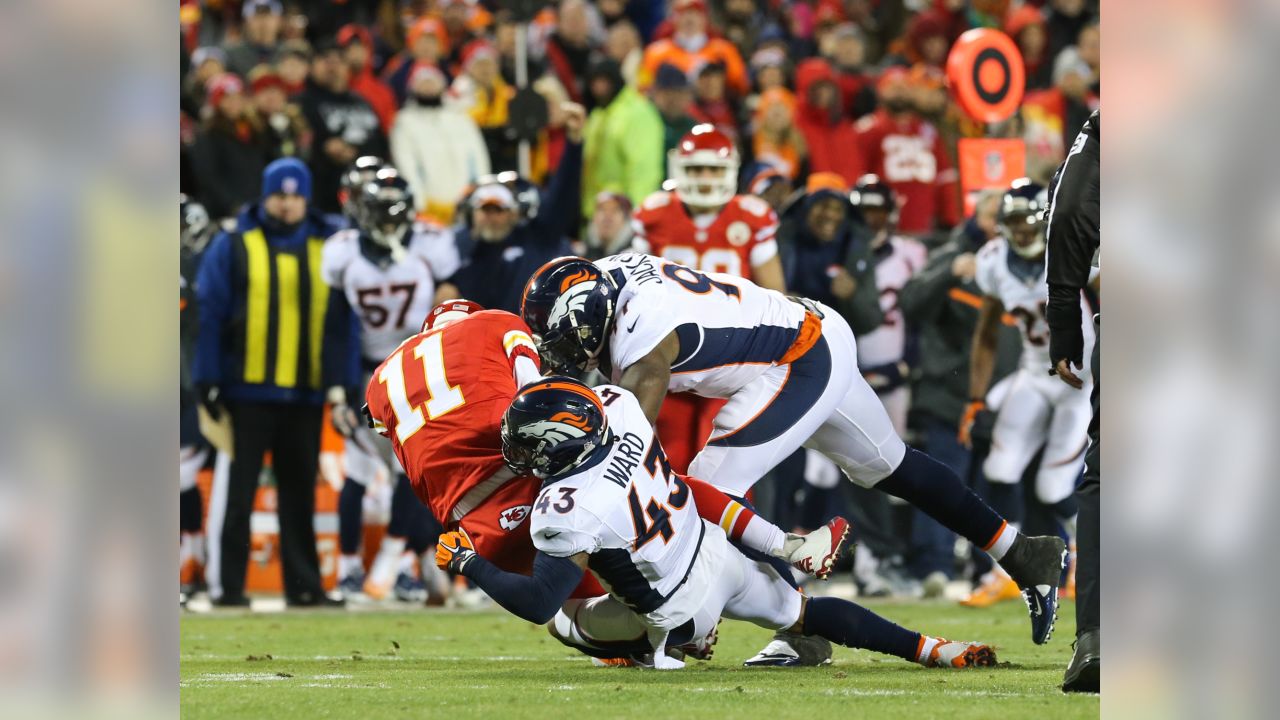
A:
[(852, 625), (1034, 563)]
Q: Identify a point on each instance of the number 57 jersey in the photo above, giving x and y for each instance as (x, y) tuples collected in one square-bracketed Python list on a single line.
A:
[(440, 396), (730, 329), (635, 518)]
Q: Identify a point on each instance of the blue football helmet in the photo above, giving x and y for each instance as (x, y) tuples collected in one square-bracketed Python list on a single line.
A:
[(1022, 217), (569, 304), (553, 426)]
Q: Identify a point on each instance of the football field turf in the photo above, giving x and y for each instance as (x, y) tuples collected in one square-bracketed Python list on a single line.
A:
[(455, 665)]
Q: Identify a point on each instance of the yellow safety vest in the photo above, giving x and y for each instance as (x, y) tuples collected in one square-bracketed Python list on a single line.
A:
[(284, 312)]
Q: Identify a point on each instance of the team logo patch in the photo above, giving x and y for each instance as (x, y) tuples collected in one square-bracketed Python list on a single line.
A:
[(290, 186), (738, 234), (511, 518), (573, 299), (563, 426)]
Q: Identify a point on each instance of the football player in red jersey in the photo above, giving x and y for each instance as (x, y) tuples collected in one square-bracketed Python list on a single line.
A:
[(705, 225), (440, 397)]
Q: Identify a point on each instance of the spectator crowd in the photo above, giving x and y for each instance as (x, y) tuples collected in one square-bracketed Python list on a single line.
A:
[(815, 94)]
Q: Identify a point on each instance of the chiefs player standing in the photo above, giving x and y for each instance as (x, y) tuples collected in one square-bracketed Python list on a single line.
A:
[(705, 225), (440, 397)]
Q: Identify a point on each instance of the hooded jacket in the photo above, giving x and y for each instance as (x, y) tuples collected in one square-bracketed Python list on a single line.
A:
[(833, 144), (367, 85), (439, 151)]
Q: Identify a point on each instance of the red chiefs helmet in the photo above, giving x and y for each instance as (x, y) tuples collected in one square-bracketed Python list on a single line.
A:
[(704, 147), (449, 311)]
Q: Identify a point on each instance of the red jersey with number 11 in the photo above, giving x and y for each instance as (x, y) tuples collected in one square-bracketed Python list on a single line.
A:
[(441, 395)]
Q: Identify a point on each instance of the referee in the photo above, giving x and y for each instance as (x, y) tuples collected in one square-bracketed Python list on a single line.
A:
[(271, 340), (1074, 229)]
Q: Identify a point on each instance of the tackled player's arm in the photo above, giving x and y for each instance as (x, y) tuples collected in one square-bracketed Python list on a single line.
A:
[(649, 376)]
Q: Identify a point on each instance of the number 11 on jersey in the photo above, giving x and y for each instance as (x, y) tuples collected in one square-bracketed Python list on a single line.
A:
[(443, 397)]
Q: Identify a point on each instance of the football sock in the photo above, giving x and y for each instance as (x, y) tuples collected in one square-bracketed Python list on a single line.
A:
[(738, 521), (350, 516), (937, 490), (349, 565), (189, 511), (408, 564), (1006, 499), (424, 531), (403, 508), (1065, 512), (852, 625)]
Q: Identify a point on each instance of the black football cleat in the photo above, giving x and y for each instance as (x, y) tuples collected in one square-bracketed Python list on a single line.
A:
[(1035, 564)]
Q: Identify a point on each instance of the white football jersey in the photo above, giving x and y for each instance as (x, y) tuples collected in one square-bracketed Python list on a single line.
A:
[(1026, 299), (730, 329), (392, 300), (633, 516), (887, 343)]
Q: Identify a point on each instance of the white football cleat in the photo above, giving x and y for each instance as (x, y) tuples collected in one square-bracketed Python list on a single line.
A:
[(816, 553)]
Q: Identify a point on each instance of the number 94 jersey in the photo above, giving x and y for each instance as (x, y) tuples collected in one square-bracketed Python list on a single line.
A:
[(730, 329), (627, 510), (1025, 297)]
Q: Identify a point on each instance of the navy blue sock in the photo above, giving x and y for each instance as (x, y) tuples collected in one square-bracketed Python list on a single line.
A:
[(350, 517), (424, 531), (403, 510), (189, 511), (1006, 499), (851, 625), (1066, 508), (937, 490)]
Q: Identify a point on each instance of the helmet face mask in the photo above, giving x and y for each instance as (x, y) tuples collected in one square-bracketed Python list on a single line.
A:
[(704, 167), (386, 209), (1022, 219), (569, 306)]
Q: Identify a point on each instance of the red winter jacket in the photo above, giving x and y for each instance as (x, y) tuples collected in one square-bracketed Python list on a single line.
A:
[(833, 144), (365, 84)]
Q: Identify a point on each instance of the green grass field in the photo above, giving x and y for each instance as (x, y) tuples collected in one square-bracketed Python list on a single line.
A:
[(446, 664)]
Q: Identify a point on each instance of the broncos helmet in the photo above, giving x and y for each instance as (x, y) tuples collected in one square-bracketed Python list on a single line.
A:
[(385, 208), (1022, 217), (552, 426), (569, 304), (353, 181), (196, 226)]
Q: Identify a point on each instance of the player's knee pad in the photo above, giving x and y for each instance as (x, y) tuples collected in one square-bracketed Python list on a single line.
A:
[(1053, 485), (870, 471)]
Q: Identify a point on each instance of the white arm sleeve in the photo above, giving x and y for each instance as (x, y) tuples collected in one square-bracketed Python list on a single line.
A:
[(525, 371)]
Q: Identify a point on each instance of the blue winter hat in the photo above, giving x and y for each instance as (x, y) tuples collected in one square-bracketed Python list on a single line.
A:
[(289, 176)]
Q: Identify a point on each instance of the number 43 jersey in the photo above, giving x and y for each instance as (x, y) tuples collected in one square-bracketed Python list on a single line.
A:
[(635, 518), (730, 329)]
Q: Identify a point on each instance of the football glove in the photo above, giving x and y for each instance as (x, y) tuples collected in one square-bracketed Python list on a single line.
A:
[(966, 421), (454, 551), (210, 397)]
